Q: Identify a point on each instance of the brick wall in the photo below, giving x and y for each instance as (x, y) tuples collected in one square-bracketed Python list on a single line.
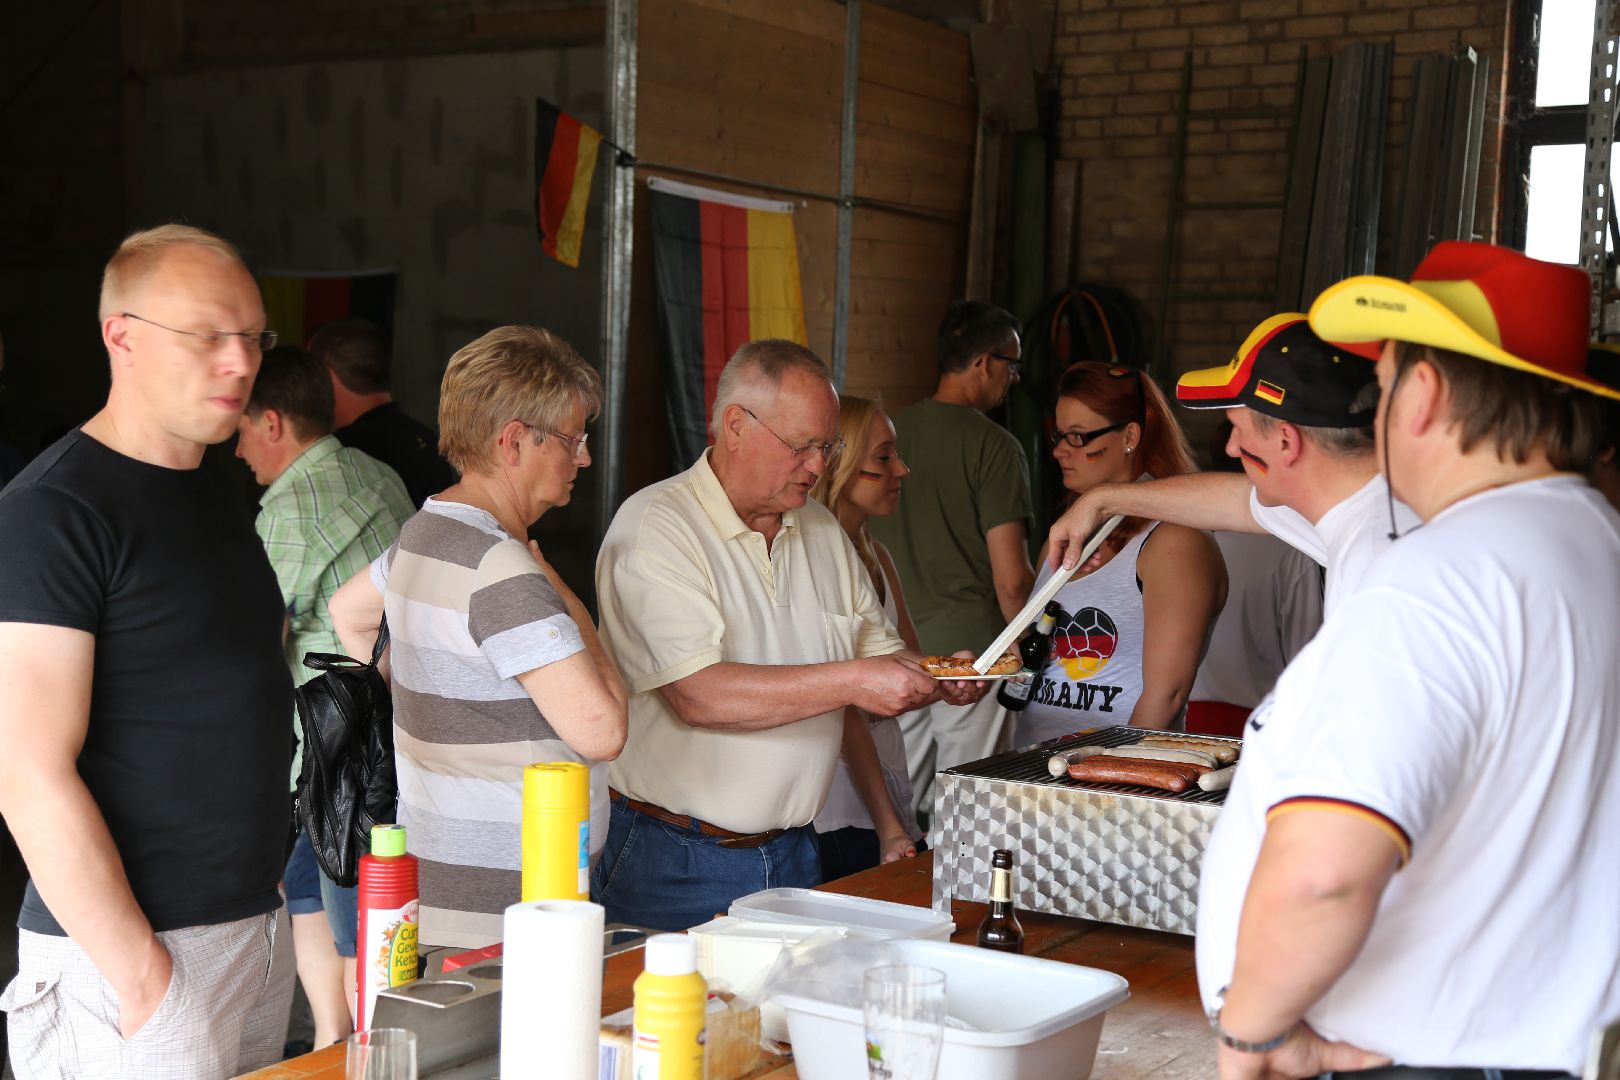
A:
[(1121, 76)]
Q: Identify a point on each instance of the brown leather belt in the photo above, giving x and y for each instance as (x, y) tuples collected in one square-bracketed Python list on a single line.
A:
[(728, 839)]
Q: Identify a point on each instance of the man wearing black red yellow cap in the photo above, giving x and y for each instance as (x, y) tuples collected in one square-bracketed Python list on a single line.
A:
[(1415, 864), (1301, 411)]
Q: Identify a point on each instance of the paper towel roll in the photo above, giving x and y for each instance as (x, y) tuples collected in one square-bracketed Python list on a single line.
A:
[(551, 990)]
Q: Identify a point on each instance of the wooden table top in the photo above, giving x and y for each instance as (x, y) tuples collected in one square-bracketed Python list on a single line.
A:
[(1159, 1032)]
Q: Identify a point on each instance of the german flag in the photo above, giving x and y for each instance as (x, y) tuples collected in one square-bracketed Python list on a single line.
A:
[(297, 305), (1271, 392), (564, 165), (727, 269)]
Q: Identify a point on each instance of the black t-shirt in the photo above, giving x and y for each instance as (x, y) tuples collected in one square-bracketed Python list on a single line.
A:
[(405, 446), (188, 745)]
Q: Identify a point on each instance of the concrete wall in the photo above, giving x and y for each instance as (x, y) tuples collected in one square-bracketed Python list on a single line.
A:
[(424, 165), (420, 164)]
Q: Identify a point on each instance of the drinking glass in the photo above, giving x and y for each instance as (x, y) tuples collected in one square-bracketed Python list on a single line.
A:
[(905, 1022), (381, 1054)]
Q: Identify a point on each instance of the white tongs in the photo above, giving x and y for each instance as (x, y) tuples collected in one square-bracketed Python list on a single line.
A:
[(1038, 602)]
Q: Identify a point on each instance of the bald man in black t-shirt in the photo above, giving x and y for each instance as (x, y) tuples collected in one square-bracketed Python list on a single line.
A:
[(145, 701)]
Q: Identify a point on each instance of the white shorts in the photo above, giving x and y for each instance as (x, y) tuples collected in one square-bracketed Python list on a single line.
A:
[(225, 1012)]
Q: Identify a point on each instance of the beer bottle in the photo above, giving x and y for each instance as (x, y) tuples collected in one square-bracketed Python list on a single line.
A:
[(1013, 694), (1000, 929)]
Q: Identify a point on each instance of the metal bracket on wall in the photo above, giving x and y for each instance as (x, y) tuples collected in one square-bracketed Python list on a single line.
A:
[(617, 237), (1596, 198), (846, 192)]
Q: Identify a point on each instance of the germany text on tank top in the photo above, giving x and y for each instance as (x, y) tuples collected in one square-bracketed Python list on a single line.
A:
[(1094, 674)]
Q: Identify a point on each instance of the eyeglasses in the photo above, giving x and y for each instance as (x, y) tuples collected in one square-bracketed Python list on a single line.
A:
[(1014, 364), (576, 443), (1078, 439), (260, 340), (827, 450)]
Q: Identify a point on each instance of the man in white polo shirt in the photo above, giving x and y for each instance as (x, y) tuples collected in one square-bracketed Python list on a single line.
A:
[(744, 624), (1416, 863), (1301, 410)]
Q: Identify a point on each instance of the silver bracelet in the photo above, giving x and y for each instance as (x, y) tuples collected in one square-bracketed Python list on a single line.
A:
[(1226, 1038)]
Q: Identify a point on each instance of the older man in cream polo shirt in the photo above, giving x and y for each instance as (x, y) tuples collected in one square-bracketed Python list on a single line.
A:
[(744, 624)]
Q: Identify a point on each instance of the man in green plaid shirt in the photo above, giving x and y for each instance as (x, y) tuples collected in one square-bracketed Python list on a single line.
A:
[(327, 513)]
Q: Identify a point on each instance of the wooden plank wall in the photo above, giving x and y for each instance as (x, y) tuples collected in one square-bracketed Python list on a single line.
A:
[(753, 89)]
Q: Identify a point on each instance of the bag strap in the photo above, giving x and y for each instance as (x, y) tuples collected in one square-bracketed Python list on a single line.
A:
[(382, 642)]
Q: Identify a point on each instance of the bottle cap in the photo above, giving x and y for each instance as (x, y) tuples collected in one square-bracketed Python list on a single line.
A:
[(1001, 858), (556, 785), (387, 840), (671, 954)]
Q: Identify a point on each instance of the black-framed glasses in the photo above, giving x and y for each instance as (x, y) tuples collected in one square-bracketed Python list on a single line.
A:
[(1014, 364), (827, 450), (262, 340), (1078, 439)]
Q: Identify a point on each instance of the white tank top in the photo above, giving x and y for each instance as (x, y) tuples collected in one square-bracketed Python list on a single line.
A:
[(1093, 677), (844, 807)]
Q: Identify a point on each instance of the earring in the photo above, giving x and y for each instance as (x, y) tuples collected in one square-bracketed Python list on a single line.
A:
[(1130, 449)]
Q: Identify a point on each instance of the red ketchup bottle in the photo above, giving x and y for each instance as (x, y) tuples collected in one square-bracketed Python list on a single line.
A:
[(389, 908)]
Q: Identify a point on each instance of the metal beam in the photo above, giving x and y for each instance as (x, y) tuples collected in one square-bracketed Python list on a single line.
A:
[(846, 192), (617, 238), (1596, 198)]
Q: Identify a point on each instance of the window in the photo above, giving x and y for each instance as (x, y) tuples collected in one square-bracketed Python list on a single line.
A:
[(1546, 147)]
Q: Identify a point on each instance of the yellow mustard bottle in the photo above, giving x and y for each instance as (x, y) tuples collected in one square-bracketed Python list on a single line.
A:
[(672, 1002), (556, 833)]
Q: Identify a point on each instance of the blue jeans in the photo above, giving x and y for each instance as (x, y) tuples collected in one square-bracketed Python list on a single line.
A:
[(668, 878), (302, 878), (342, 913)]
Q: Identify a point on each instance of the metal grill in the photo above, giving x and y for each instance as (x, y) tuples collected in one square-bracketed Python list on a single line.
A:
[(1113, 852), (1028, 766)]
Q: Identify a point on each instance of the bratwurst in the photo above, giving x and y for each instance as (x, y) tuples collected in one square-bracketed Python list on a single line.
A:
[(1172, 776)]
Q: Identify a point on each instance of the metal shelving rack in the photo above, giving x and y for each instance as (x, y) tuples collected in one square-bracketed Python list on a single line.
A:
[(1596, 197)]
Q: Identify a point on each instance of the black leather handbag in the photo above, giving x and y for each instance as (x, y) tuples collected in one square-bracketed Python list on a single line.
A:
[(347, 783)]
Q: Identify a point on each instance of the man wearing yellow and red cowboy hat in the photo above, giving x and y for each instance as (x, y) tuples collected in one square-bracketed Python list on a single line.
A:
[(1416, 863)]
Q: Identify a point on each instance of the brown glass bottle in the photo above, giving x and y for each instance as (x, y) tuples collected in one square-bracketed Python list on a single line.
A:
[(1000, 929)]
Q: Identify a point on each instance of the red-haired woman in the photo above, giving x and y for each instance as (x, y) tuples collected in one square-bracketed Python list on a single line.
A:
[(1134, 629)]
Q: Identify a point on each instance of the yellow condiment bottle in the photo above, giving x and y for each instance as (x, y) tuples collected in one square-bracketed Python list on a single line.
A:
[(671, 1010), (556, 834)]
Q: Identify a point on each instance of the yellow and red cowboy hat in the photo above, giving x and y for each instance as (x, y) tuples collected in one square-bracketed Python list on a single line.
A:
[(1480, 300)]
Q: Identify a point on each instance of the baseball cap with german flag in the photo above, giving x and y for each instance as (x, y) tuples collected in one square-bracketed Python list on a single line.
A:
[(1284, 370), (1480, 300)]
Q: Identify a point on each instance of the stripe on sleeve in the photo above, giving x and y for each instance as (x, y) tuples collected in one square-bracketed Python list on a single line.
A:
[(1403, 842)]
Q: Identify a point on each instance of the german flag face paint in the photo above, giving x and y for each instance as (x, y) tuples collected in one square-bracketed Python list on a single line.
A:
[(1258, 464)]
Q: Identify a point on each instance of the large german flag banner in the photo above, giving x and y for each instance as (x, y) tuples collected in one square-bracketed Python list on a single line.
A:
[(564, 165), (296, 305), (727, 268)]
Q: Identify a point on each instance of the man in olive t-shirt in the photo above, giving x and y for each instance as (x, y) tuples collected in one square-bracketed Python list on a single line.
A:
[(960, 537)]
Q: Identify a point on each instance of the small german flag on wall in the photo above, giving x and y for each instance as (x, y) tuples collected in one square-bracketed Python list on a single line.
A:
[(564, 165), (727, 268)]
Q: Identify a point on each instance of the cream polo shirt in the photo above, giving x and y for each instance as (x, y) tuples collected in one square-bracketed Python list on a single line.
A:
[(683, 583)]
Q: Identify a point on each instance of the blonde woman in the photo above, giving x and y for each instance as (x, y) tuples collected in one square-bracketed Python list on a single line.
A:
[(495, 662), (867, 818)]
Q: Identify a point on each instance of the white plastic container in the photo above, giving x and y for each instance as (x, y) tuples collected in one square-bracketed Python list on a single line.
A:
[(877, 918), (1033, 1019)]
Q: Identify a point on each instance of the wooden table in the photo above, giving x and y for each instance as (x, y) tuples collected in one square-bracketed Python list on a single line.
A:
[(1159, 1032)]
